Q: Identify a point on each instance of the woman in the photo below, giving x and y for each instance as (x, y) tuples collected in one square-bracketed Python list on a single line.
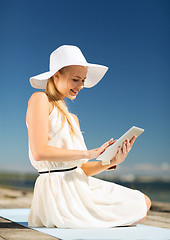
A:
[(65, 193)]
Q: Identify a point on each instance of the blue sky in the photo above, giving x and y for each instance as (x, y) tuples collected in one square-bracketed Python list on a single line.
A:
[(130, 37)]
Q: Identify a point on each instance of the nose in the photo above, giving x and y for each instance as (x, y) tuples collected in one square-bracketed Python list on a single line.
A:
[(81, 85)]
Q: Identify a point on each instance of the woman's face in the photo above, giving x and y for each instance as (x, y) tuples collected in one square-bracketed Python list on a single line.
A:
[(70, 82)]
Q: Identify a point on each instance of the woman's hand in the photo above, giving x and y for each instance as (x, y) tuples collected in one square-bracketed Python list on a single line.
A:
[(123, 152), (94, 153)]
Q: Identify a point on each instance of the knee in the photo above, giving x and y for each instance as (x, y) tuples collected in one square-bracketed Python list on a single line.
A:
[(148, 202), (143, 219), (139, 221)]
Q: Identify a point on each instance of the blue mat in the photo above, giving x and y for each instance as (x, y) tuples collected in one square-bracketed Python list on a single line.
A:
[(137, 232)]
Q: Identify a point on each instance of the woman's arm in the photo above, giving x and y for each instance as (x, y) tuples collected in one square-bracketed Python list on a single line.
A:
[(50, 153), (94, 167), (38, 123)]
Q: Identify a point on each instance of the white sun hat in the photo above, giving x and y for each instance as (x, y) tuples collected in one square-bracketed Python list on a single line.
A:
[(67, 55)]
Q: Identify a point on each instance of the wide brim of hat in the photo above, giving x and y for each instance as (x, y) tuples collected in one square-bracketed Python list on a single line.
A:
[(94, 74)]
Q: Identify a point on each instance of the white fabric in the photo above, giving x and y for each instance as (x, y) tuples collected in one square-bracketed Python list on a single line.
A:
[(67, 55), (60, 138), (73, 200)]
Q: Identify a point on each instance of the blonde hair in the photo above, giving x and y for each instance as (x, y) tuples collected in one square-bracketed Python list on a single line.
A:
[(54, 97)]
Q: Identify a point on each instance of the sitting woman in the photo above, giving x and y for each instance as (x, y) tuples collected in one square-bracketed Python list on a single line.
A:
[(65, 193)]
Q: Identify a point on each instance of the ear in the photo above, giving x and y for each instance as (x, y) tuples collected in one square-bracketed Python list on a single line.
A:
[(56, 75)]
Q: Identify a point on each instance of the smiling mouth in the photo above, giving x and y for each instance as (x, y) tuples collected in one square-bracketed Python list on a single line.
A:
[(74, 91)]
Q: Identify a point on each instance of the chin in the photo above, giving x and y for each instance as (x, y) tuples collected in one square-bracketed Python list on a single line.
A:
[(72, 97)]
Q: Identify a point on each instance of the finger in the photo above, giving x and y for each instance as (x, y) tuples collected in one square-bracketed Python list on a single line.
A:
[(112, 142), (105, 145), (101, 151), (132, 140), (103, 148), (124, 147), (119, 150), (128, 145)]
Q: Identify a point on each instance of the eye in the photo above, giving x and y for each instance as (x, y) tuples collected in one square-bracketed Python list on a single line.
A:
[(76, 80)]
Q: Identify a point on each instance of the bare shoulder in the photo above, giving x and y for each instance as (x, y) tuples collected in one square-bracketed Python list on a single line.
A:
[(38, 96), (42, 97), (37, 101), (76, 119)]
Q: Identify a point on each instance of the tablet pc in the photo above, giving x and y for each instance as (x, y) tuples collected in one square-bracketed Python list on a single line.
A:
[(111, 151)]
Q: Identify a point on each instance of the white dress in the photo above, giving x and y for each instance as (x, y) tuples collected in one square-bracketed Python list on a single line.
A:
[(73, 200)]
